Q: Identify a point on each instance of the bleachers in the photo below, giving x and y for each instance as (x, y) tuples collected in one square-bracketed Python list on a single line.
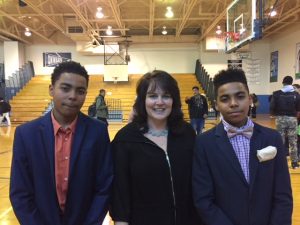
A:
[(30, 102), (33, 99)]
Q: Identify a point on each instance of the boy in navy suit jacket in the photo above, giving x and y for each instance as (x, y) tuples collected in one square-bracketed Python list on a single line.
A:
[(61, 170), (233, 182)]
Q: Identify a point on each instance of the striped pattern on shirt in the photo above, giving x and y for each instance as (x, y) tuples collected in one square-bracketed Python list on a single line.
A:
[(241, 146)]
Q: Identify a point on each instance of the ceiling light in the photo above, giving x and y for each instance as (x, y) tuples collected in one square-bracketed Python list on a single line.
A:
[(273, 13), (169, 13), (109, 30), (27, 32), (218, 31), (99, 13), (164, 31)]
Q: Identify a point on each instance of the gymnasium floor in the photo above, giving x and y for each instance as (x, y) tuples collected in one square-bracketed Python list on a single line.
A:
[(6, 139)]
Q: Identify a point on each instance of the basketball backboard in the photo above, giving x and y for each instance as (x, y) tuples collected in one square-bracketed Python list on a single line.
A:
[(241, 17)]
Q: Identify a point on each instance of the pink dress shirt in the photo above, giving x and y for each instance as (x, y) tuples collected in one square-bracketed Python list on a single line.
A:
[(63, 146)]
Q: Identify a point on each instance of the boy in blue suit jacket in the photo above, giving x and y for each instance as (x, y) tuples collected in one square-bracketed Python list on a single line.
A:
[(61, 170), (233, 182)]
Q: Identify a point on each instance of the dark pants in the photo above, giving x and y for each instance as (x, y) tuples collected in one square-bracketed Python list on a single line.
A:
[(198, 124), (252, 111)]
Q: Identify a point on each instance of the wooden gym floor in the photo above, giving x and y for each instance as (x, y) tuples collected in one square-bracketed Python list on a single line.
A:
[(7, 216)]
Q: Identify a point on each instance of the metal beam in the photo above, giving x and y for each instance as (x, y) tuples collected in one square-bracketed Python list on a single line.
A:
[(84, 21), (5, 32), (151, 17), (213, 25), (24, 25), (287, 15), (116, 12), (80, 15), (4, 38), (47, 18), (185, 16), (277, 29)]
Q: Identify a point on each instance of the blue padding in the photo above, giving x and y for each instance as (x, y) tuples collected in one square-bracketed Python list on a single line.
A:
[(264, 104)]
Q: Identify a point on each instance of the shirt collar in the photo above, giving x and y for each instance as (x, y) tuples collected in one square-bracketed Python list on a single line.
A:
[(57, 126)]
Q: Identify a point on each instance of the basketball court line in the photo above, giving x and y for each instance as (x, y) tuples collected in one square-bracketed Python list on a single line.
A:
[(6, 151), (2, 215)]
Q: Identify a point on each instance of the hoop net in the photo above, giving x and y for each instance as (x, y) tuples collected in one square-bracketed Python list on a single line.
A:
[(226, 38)]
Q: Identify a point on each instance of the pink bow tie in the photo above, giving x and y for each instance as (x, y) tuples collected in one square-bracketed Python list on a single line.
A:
[(247, 132)]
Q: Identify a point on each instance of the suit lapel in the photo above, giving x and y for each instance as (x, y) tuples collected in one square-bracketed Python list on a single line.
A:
[(47, 135), (255, 144), (227, 150), (80, 133)]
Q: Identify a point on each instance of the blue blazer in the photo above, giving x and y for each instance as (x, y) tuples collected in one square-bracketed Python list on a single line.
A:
[(32, 186), (221, 193)]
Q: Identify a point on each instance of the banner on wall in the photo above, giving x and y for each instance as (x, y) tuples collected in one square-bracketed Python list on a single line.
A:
[(235, 64), (252, 70), (274, 67), (52, 59), (297, 65)]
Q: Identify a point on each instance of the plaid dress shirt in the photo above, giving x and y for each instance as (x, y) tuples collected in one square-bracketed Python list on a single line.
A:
[(241, 146)]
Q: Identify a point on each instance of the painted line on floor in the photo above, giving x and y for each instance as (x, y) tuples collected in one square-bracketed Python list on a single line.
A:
[(5, 152), (5, 212)]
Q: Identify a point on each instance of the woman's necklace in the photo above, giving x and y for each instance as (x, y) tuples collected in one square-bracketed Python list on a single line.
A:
[(158, 133)]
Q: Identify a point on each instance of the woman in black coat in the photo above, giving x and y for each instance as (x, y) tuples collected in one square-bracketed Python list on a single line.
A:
[(153, 159)]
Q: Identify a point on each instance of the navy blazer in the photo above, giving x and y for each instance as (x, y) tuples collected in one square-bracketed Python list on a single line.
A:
[(32, 186), (221, 193)]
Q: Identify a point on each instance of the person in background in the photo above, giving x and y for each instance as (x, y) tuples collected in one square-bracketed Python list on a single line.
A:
[(198, 110), (5, 109), (285, 105), (297, 89), (253, 106), (153, 159), (61, 170), (213, 105), (240, 173), (101, 107)]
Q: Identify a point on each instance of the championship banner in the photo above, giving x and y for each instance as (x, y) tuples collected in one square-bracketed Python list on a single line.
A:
[(274, 67), (52, 59)]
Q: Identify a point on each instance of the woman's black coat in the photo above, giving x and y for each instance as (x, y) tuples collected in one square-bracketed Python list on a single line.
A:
[(144, 182)]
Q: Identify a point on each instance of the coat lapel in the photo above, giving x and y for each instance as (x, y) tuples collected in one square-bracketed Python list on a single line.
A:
[(47, 135), (227, 150), (80, 133), (255, 144)]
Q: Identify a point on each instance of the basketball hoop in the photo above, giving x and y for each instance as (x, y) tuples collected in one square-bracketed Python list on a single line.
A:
[(227, 39), (233, 36)]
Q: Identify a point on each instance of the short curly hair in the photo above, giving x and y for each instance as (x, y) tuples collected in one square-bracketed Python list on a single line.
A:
[(228, 76), (287, 80), (69, 67)]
